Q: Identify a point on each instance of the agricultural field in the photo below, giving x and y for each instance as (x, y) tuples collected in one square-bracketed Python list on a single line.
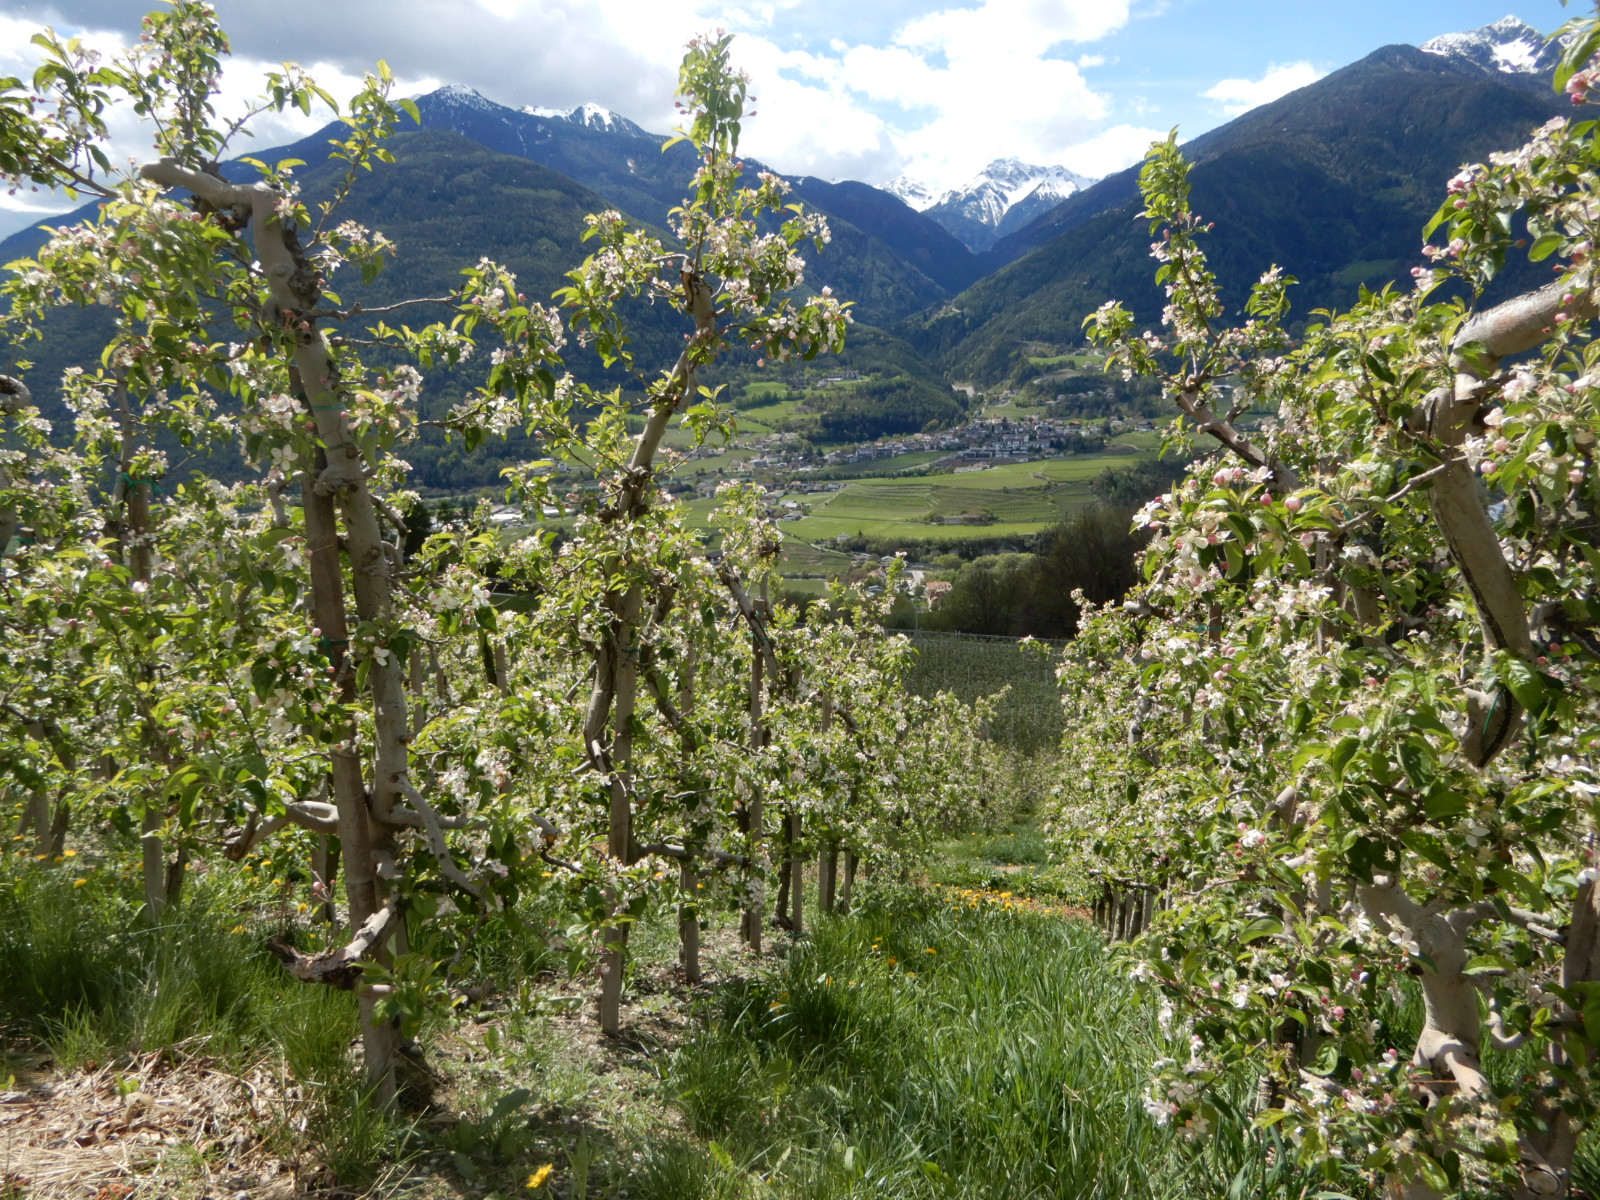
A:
[(1066, 362), (886, 466), (1025, 498)]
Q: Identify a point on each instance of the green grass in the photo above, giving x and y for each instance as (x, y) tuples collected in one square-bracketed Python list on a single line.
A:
[(1026, 498), (1071, 362), (823, 528), (93, 984), (761, 392), (920, 1049), (802, 558)]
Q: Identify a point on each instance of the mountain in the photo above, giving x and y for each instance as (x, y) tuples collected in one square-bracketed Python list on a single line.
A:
[(1004, 196), (917, 240), (1332, 182), (884, 255), (445, 201), (1507, 47), (914, 192)]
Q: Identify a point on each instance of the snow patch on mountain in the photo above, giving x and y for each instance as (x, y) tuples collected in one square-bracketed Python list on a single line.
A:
[(461, 96), (1006, 183), (1507, 47), (914, 192), (589, 116)]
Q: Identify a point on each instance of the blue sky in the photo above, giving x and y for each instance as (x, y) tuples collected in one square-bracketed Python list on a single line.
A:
[(862, 89)]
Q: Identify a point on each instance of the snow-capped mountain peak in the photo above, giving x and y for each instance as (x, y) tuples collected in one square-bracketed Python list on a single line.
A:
[(459, 95), (590, 116), (1507, 47), (914, 192), (1005, 195)]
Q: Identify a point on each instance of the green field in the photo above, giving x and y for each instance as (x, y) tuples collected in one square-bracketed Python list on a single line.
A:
[(1065, 362), (801, 558), (1025, 498)]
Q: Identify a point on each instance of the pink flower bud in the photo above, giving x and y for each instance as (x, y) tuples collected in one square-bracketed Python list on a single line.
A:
[(1294, 503)]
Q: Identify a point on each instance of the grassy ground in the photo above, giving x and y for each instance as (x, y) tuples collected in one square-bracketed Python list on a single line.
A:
[(962, 1037)]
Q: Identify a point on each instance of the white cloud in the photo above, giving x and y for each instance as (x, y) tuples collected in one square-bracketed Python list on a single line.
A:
[(941, 94), (1109, 152), (973, 84), (1241, 95)]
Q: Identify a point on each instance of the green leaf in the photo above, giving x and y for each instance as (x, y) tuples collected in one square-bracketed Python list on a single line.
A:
[(1545, 246), (1259, 928), (1432, 1173), (1526, 684), (1341, 756)]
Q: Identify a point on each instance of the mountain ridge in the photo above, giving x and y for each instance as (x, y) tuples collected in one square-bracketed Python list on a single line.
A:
[(1332, 182)]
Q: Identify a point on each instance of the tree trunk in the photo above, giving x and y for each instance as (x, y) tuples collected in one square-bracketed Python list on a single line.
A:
[(850, 862), (689, 922), (828, 876), (753, 810), (163, 883), (624, 662), (325, 868), (797, 876), (379, 1038)]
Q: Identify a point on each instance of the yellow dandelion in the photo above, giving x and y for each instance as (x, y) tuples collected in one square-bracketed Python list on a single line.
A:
[(69, 854), (929, 950), (79, 882), (538, 1177)]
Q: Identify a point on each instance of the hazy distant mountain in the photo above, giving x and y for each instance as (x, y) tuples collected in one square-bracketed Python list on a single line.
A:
[(1332, 182)]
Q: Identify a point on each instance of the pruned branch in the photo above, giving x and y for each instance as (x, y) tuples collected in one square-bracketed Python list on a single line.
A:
[(339, 968)]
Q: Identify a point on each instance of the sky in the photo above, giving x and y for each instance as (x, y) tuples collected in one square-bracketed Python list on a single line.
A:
[(846, 89)]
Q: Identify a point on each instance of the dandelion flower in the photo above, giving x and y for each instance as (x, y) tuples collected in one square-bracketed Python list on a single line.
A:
[(538, 1177)]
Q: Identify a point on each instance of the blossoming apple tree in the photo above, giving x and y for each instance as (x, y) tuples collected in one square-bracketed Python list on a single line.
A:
[(212, 665), (1348, 725)]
